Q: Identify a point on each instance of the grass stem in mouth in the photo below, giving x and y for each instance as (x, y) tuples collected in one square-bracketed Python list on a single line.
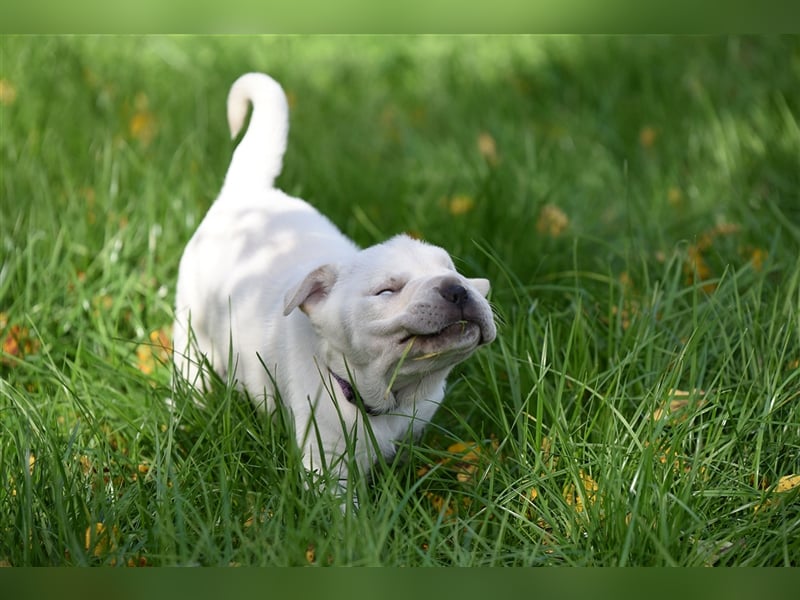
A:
[(462, 322), (427, 356)]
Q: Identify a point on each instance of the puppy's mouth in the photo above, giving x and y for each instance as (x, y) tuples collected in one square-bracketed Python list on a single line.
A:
[(460, 335)]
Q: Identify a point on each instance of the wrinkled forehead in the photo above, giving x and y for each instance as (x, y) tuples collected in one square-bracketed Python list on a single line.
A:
[(404, 253)]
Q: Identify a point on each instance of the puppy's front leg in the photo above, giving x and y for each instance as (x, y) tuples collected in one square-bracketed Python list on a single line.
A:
[(326, 462)]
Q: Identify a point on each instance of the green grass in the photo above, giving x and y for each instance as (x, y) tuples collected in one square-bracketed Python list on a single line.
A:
[(653, 148)]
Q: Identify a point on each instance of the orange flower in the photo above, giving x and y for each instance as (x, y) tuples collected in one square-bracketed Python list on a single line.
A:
[(142, 126), (158, 351), (17, 344), (695, 266)]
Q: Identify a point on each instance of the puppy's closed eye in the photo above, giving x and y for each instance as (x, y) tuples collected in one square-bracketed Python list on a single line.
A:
[(389, 287)]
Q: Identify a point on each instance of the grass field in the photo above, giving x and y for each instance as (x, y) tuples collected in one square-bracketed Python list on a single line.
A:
[(635, 202)]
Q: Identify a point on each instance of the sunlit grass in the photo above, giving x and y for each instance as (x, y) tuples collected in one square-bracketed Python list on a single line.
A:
[(635, 203)]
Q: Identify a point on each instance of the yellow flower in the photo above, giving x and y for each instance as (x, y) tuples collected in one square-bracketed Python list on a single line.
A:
[(552, 220), (679, 400), (788, 482), (460, 205), (467, 463), (674, 196), (488, 148), (464, 461), (575, 498), (757, 258), (99, 541), (647, 136), (785, 484), (8, 93)]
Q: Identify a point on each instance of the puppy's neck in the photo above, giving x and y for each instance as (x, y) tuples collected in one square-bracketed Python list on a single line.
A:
[(401, 395), (353, 397)]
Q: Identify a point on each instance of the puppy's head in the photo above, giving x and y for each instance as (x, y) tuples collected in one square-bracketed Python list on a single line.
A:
[(398, 312)]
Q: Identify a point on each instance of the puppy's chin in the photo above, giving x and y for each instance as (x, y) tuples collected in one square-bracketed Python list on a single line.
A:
[(455, 341)]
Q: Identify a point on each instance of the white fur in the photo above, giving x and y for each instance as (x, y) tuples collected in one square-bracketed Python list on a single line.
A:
[(267, 281)]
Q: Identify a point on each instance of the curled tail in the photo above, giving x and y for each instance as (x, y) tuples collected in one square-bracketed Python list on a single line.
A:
[(258, 158)]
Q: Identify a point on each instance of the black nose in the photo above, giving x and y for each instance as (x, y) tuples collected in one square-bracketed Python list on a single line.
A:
[(455, 293)]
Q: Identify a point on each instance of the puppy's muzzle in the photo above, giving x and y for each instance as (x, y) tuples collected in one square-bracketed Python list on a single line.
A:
[(464, 305)]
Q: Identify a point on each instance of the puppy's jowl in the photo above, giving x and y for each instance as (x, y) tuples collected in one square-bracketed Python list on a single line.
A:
[(341, 335)]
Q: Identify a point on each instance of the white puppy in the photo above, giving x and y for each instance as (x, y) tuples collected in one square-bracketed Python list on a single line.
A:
[(340, 335)]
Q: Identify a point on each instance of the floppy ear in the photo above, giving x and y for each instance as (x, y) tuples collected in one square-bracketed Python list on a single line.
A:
[(312, 290), (482, 285)]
